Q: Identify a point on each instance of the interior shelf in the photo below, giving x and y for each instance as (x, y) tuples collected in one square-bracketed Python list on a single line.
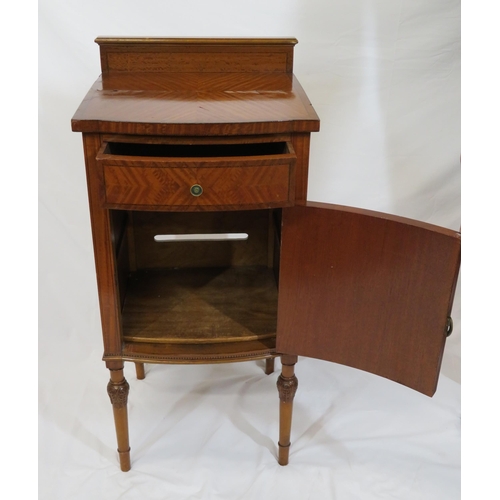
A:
[(200, 306)]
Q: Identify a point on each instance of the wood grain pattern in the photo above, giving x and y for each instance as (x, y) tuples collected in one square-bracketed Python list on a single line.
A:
[(162, 187), (301, 145), (104, 250), (170, 55), (194, 306), (229, 352), (118, 389), (185, 108), (192, 254), (367, 290), (231, 93), (206, 86), (195, 140), (168, 62), (287, 387)]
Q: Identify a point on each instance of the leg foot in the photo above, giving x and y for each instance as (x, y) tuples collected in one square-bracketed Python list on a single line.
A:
[(283, 453), (287, 386), (269, 366), (139, 370), (124, 460), (118, 389)]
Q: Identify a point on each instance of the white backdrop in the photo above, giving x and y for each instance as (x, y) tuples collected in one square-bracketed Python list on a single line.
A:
[(384, 78)]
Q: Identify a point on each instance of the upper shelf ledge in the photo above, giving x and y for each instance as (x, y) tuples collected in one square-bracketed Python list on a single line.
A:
[(196, 40), (195, 55)]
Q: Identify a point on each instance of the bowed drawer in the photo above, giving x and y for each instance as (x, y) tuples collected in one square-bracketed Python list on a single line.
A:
[(197, 177)]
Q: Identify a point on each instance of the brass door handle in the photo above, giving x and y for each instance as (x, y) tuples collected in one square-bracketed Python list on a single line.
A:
[(449, 326)]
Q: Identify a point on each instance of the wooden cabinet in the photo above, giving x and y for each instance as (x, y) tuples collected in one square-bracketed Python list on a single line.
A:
[(206, 248)]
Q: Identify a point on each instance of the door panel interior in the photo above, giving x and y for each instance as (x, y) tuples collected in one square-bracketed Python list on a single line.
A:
[(367, 290)]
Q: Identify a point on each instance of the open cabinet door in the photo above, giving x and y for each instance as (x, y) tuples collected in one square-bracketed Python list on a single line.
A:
[(367, 290)]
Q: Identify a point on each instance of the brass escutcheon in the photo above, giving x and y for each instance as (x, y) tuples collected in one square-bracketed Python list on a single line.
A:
[(196, 190)]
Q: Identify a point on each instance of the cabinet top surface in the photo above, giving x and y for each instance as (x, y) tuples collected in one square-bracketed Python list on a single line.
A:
[(196, 86)]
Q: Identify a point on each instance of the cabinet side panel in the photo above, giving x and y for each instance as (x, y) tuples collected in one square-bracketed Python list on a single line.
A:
[(301, 144), (366, 290), (104, 253)]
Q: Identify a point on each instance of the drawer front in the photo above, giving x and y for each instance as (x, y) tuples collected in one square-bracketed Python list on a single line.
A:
[(136, 177), (222, 186)]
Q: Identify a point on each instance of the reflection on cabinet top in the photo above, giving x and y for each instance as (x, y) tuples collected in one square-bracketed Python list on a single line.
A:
[(196, 87)]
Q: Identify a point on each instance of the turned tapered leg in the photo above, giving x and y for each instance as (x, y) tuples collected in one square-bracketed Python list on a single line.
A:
[(118, 394), (287, 386), (269, 366), (139, 370)]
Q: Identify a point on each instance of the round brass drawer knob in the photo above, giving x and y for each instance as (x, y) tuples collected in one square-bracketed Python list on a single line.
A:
[(196, 190)]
